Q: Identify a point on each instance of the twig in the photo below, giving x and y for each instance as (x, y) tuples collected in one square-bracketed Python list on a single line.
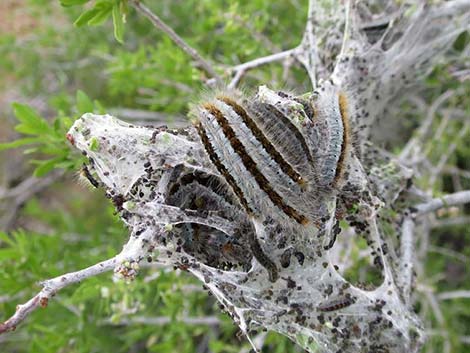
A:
[(407, 251), (456, 171), (257, 35), (445, 156), (307, 50), (464, 339), (23, 192), (51, 287), (165, 320), (448, 252), (346, 28), (457, 198), (457, 294), (241, 69), (157, 22), (439, 318), (258, 341), (425, 125), (454, 221), (29, 186), (149, 116)]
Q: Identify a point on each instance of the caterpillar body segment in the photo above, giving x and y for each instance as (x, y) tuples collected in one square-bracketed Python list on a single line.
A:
[(286, 136), (277, 156), (329, 132)]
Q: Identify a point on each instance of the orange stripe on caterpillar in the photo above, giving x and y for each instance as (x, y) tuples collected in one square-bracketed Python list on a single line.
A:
[(343, 109)]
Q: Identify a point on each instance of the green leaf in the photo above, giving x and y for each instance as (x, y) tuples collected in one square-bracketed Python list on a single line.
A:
[(84, 103), (118, 23), (104, 10), (67, 3), (85, 17), (19, 143), (8, 254), (31, 150), (99, 107), (94, 144), (45, 167), (4, 237), (32, 122)]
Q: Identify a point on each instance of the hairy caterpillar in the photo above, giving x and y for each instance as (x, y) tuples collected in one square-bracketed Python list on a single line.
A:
[(330, 133), (87, 177)]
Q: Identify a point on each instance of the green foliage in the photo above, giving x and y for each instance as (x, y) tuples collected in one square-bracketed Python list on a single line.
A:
[(48, 139), (85, 49), (100, 12)]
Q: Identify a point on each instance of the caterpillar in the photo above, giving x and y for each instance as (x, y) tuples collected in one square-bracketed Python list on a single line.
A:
[(330, 133), (336, 304), (85, 174)]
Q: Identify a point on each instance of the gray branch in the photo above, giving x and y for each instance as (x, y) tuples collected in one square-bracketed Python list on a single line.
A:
[(458, 198)]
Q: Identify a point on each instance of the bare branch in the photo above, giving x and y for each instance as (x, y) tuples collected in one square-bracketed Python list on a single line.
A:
[(457, 198), (464, 339), (258, 341), (165, 320), (175, 121), (453, 221), (439, 318), (450, 151), (180, 42), (407, 252), (448, 252), (347, 24), (51, 287), (457, 294), (425, 125), (18, 195), (307, 50), (456, 171), (241, 69)]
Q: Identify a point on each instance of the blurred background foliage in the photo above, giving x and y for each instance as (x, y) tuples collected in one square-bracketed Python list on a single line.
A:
[(56, 71)]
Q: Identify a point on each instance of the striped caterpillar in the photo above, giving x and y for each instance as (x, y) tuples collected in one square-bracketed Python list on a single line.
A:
[(274, 164), (330, 133)]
